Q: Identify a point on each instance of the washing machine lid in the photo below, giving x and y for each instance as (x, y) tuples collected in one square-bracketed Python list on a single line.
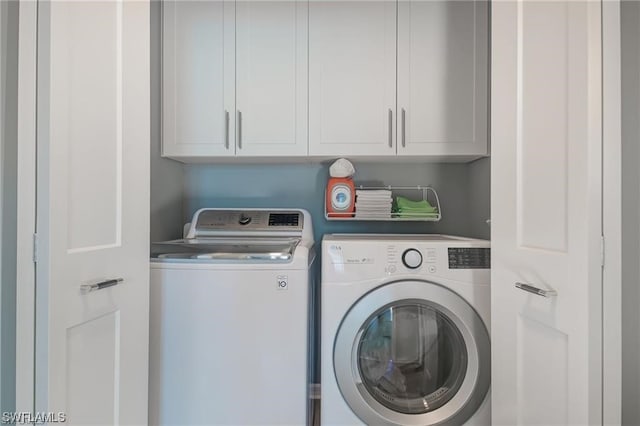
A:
[(278, 250)]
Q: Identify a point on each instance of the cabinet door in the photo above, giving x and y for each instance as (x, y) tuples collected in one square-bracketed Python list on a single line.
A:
[(271, 72), (442, 77), (198, 78), (352, 77)]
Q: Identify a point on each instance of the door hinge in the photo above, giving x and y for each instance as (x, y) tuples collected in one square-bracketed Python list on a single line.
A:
[(602, 251), (35, 248)]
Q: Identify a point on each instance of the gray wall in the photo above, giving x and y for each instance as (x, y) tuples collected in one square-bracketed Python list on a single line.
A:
[(630, 12), (8, 204), (479, 187), (166, 175), (302, 185)]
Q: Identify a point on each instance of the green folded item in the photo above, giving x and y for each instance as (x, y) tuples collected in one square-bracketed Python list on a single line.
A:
[(405, 205), (415, 213)]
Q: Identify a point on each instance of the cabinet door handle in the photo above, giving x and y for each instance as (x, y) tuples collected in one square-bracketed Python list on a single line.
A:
[(535, 290), (390, 128), (403, 128), (239, 129), (226, 129), (88, 288)]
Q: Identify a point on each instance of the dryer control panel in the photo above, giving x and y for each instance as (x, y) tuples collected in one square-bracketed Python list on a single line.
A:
[(370, 256), (469, 258)]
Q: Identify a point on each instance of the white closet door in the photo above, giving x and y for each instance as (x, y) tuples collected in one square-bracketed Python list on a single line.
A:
[(443, 77), (271, 73), (546, 213), (93, 212), (198, 76), (352, 77)]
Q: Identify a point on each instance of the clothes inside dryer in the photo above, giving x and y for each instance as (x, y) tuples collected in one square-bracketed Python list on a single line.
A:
[(411, 357)]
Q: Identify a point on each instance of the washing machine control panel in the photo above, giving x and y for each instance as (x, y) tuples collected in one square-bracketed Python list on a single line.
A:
[(214, 222), (411, 258)]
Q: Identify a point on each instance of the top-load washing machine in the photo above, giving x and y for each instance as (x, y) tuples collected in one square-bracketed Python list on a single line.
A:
[(405, 330), (229, 321)]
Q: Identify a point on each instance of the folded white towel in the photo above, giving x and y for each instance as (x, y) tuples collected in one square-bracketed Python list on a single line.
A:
[(373, 215), (377, 192), (373, 196), (373, 200), (369, 210), (374, 204)]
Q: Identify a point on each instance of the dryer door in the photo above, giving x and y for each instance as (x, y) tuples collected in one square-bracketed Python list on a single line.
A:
[(413, 353)]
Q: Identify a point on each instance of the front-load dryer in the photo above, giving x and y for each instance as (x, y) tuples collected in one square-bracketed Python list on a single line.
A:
[(405, 330)]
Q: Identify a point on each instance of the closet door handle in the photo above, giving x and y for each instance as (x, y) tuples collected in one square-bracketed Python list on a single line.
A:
[(535, 290), (226, 129), (88, 288), (239, 118), (403, 128), (390, 128)]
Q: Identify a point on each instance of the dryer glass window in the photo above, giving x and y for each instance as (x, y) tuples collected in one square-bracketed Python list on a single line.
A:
[(412, 358)]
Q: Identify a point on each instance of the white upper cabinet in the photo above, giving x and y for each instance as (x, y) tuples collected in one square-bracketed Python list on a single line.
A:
[(198, 78), (271, 73), (442, 77), (235, 79), (297, 78), (352, 78), (435, 106)]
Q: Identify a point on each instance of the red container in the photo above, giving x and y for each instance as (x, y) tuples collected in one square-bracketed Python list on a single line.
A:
[(341, 197)]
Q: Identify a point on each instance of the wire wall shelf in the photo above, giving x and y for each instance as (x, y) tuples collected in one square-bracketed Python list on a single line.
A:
[(413, 193)]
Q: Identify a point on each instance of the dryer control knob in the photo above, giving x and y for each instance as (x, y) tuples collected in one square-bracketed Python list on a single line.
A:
[(412, 258)]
